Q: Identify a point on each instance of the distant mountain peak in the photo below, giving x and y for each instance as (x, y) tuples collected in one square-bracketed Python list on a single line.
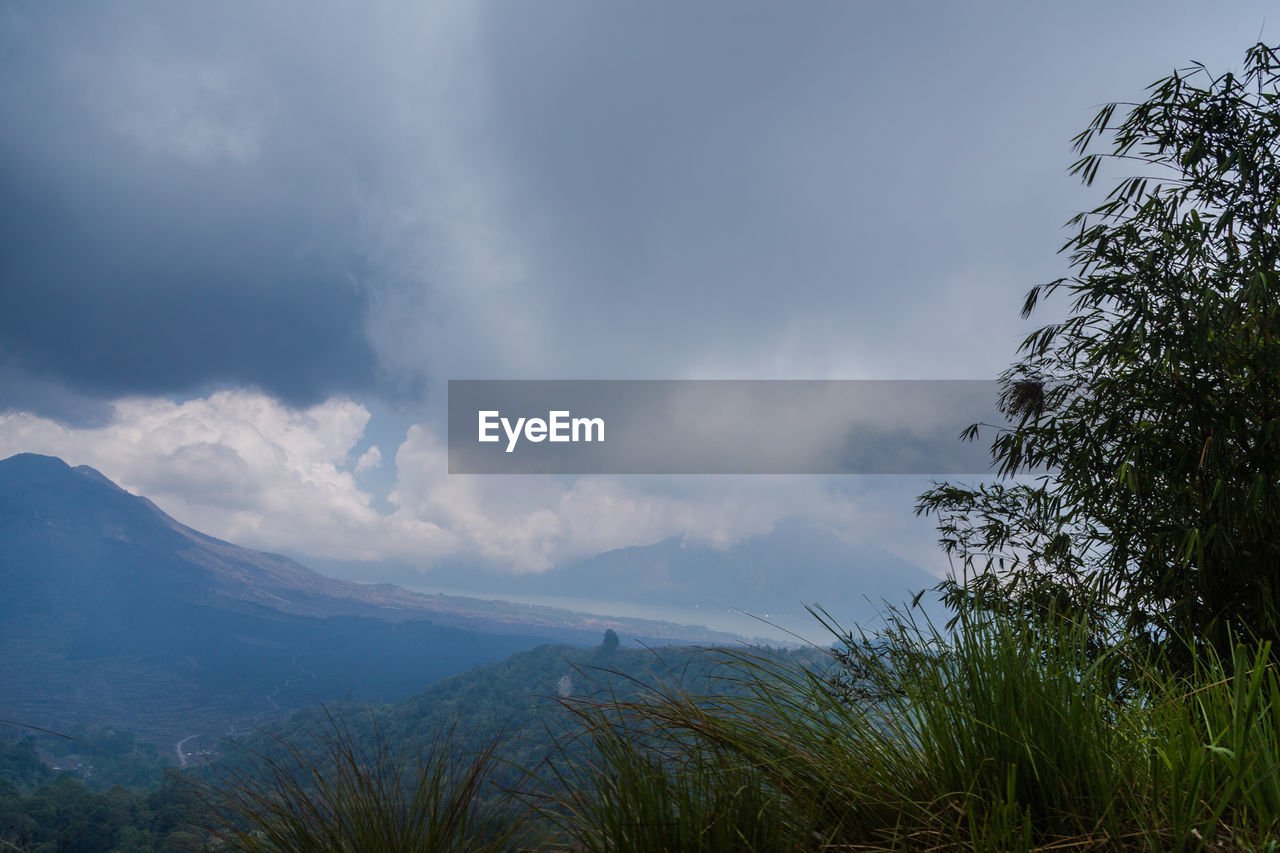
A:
[(29, 464)]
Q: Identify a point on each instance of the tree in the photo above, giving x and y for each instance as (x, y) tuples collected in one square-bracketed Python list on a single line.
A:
[(1138, 471), (610, 640)]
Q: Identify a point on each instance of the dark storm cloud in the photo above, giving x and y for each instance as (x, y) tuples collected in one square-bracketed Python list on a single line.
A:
[(174, 214), (22, 392), (337, 197)]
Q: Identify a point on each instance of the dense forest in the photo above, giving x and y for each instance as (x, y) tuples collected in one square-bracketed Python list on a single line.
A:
[(105, 790), (42, 809)]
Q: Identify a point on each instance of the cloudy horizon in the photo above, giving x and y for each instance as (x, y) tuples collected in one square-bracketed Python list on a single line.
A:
[(247, 245)]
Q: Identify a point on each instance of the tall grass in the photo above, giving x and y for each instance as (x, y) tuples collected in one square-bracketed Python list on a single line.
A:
[(998, 736), (642, 787), (337, 794)]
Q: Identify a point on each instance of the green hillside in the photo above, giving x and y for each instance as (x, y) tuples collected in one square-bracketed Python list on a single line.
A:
[(519, 702)]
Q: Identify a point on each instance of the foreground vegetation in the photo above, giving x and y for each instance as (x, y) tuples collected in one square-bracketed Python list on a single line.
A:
[(999, 736), (1140, 465)]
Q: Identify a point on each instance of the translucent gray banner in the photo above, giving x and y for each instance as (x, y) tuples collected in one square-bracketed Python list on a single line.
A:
[(719, 426)]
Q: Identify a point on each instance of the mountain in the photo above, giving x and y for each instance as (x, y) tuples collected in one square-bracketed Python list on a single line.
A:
[(112, 613), (793, 563), (772, 575)]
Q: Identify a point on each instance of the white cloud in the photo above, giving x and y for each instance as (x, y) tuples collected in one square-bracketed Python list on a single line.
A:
[(238, 465), (369, 460), (244, 467), (531, 523)]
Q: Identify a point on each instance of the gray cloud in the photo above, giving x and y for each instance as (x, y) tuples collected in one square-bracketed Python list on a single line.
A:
[(180, 210), (370, 198), (760, 190)]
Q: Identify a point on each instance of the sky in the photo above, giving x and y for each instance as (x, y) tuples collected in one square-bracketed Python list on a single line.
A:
[(245, 245)]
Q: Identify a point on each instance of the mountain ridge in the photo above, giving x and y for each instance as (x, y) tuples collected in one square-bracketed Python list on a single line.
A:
[(280, 583), (774, 575), (115, 614)]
